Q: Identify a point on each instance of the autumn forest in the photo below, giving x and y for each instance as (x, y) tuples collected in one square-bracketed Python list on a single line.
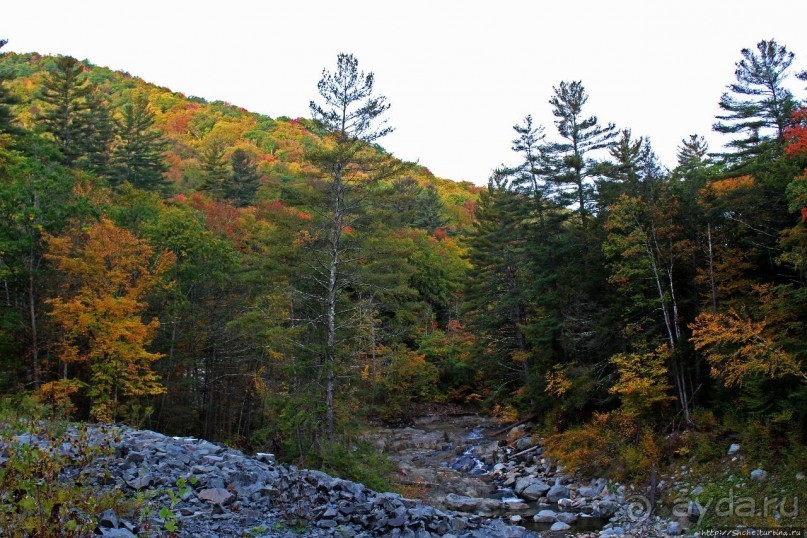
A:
[(275, 284)]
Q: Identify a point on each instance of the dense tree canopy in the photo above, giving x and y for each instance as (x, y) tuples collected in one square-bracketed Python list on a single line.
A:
[(277, 282)]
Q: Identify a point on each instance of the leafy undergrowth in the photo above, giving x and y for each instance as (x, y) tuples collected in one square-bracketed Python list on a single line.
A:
[(727, 496), (48, 480), (701, 470), (360, 463), (693, 466)]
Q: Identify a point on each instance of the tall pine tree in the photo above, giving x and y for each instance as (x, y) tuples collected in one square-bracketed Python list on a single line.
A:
[(242, 183), (138, 154), (64, 92), (757, 106), (354, 117), (581, 135), (214, 168)]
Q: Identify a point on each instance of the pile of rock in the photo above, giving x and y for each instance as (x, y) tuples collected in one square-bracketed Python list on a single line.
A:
[(226, 493)]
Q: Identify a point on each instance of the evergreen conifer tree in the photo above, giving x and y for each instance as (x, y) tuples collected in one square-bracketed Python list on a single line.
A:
[(138, 154), (97, 136), (633, 170), (757, 106), (214, 168), (353, 117), (64, 93), (581, 135), (243, 181), (693, 152), (429, 209), (497, 283), (6, 117), (530, 144)]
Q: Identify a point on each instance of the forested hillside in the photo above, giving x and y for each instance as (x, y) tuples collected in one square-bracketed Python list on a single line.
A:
[(202, 270), (161, 263)]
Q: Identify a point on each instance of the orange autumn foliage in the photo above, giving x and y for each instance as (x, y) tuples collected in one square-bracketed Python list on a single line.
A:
[(723, 186), (738, 347), (108, 274)]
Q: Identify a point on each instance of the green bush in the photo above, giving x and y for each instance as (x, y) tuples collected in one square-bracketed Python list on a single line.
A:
[(359, 462), (43, 491)]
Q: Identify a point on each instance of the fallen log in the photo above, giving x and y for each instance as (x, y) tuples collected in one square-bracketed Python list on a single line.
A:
[(510, 427), (525, 451)]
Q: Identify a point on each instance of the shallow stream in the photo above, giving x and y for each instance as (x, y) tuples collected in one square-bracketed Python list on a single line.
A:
[(437, 456)]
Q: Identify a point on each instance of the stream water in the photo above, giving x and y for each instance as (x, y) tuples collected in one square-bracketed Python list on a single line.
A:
[(438, 456)]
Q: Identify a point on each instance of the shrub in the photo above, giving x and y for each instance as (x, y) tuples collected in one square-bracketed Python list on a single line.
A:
[(44, 491)]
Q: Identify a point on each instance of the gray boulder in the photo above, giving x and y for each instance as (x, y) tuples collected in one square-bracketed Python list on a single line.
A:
[(545, 516), (215, 495), (587, 491), (759, 474), (674, 528), (557, 492), (535, 491), (461, 502)]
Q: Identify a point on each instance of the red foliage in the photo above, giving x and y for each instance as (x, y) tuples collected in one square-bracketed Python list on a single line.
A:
[(174, 167), (796, 134), (470, 207), (273, 206), (440, 233), (276, 207), (804, 214), (178, 123), (221, 218)]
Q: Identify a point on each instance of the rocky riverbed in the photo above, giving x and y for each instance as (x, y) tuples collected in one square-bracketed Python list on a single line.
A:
[(456, 466), (467, 484)]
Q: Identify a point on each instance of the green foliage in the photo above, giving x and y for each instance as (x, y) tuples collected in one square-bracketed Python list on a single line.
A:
[(359, 462), (64, 93), (244, 179), (408, 378), (758, 104), (319, 280), (581, 135), (138, 154), (168, 513), (50, 493)]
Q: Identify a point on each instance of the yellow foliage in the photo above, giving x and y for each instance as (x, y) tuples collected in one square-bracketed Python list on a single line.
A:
[(737, 347), (57, 394), (108, 273), (557, 381), (610, 443), (642, 384), (588, 448), (519, 356), (506, 413)]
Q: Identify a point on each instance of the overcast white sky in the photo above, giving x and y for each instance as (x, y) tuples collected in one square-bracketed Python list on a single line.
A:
[(459, 74)]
